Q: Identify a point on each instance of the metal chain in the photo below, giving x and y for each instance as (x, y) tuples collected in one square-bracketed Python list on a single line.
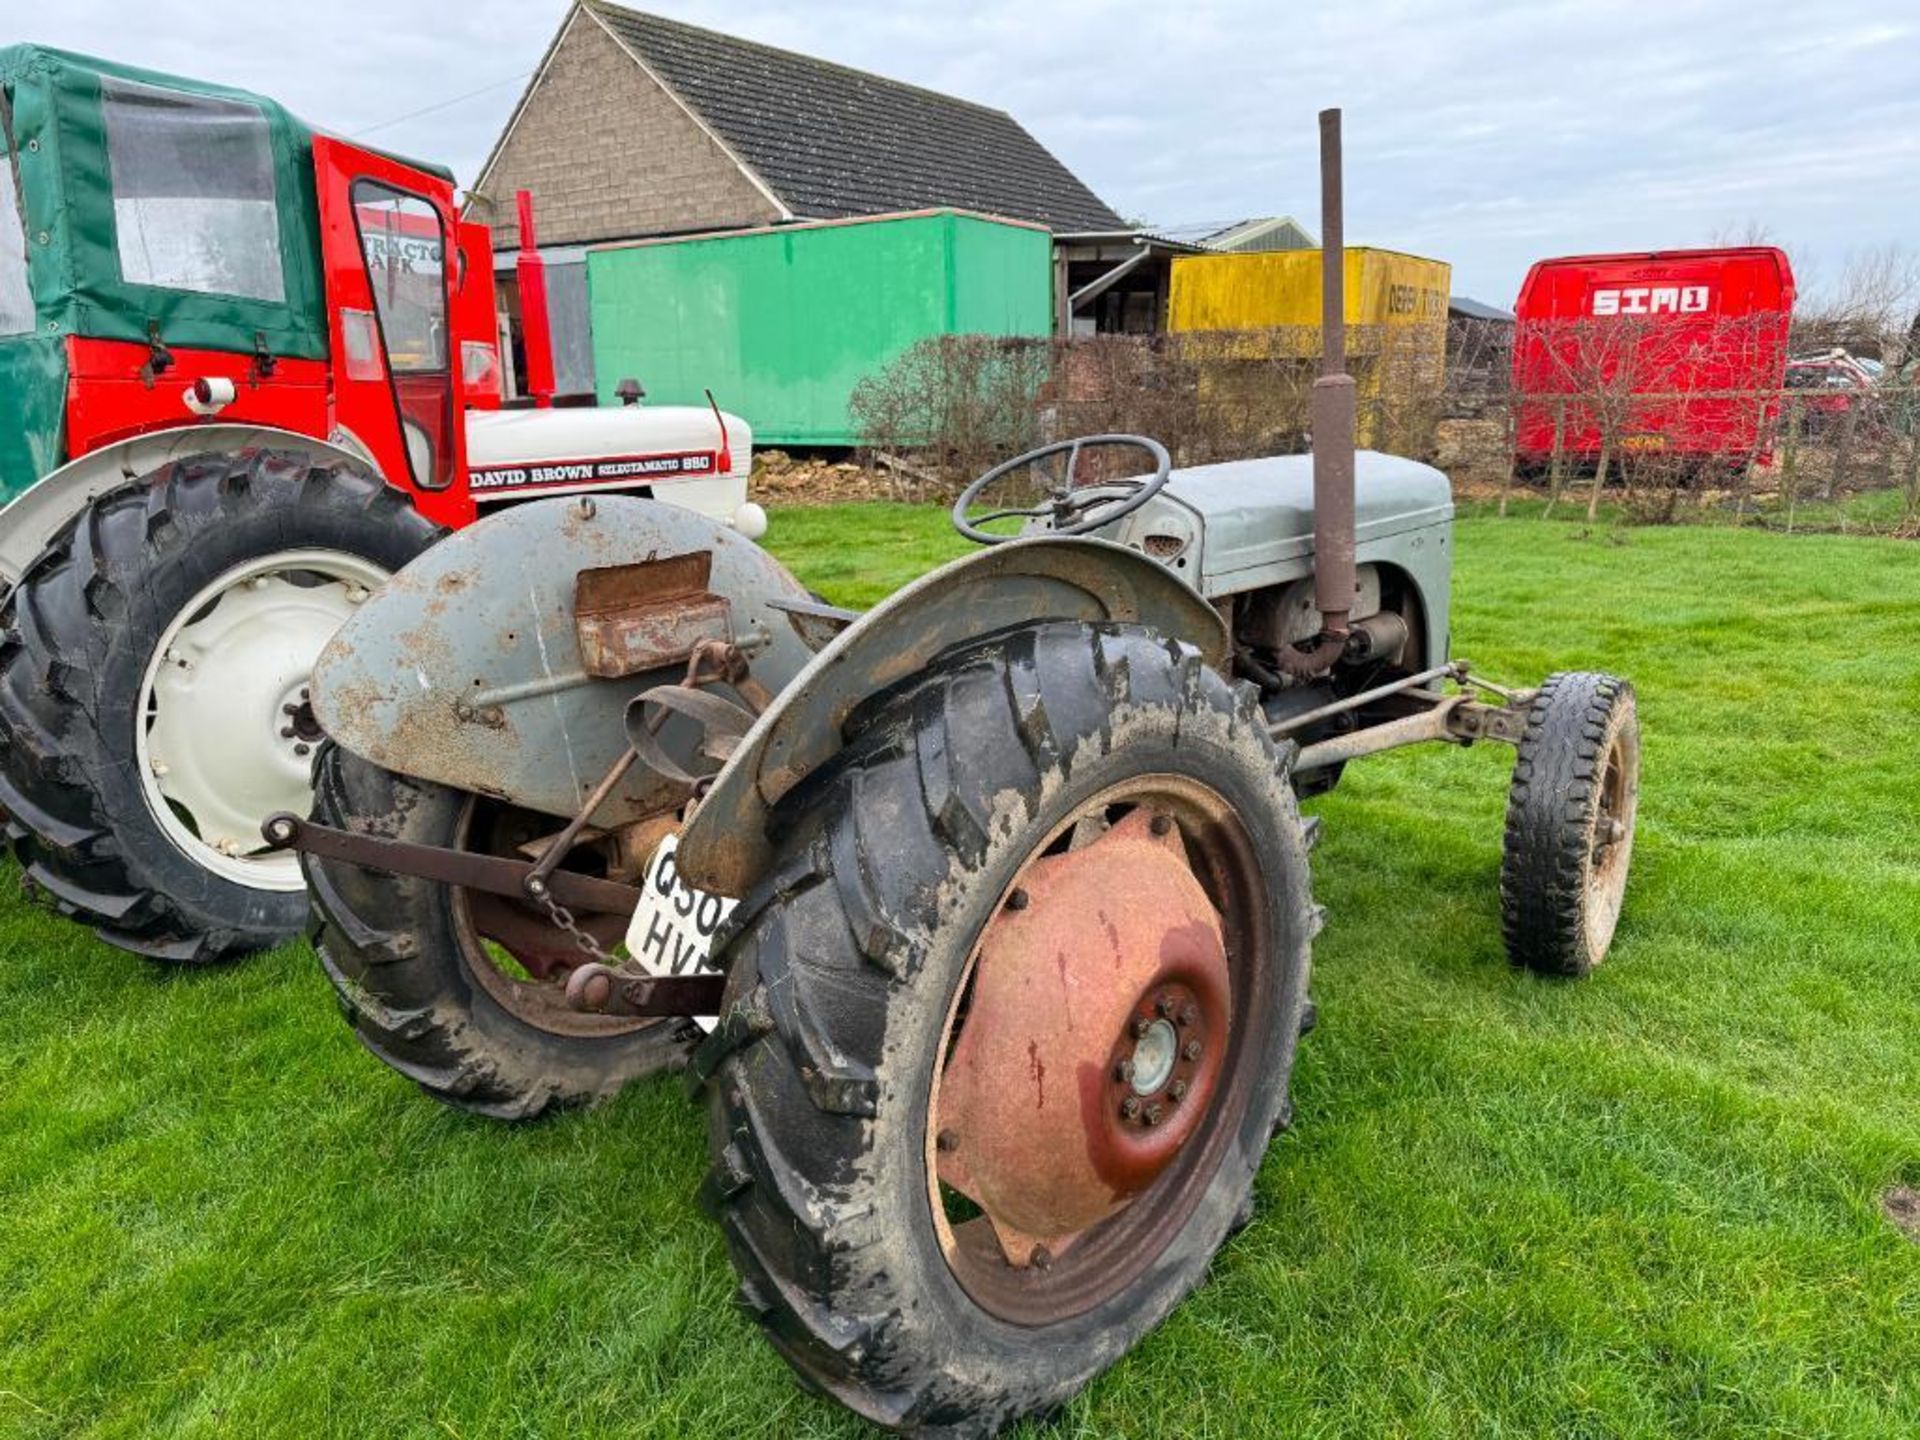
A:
[(563, 920), (730, 667)]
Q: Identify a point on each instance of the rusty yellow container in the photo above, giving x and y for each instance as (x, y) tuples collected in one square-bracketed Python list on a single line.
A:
[(1282, 289), (1396, 306)]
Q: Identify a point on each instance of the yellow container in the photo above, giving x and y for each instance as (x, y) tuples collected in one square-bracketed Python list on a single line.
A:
[(1282, 289), (1266, 309)]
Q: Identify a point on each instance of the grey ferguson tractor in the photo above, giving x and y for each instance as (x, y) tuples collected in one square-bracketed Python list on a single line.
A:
[(981, 921)]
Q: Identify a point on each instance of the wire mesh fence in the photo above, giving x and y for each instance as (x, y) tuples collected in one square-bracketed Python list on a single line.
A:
[(1830, 442), (1820, 465)]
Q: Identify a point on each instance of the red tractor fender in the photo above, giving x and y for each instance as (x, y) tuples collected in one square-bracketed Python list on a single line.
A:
[(724, 847), (36, 515)]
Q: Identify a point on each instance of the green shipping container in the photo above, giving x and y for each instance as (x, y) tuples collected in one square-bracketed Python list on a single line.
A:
[(781, 324)]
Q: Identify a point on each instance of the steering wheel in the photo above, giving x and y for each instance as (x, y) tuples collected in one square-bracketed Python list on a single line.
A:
[(1095, 506)]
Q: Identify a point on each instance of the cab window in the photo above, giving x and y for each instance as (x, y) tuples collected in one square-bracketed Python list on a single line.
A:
[(194, 206), (406, 265), (405, 249), (16, 298)]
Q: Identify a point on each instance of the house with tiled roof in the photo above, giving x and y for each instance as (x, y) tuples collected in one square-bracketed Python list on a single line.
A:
[(635, 129), (635, 125)]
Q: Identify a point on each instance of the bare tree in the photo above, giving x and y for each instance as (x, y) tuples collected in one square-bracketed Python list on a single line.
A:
[(958, 404), (1869, 309), (1738, 233), (1597, 370)]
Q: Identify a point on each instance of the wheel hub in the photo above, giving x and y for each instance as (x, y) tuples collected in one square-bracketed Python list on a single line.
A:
[(1611, 846), (301, 726), (1154, 1054), (1092, 1040), (227, 732), (1159, 1061)]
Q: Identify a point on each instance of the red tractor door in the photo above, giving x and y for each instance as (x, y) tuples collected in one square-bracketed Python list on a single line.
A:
[(393, 271), (475, 322)]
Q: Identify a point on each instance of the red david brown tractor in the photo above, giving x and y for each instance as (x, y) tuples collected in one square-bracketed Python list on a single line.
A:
[(244, 385), (980, 921)]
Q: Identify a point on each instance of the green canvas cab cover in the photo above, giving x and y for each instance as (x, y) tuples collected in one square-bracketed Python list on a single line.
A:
[(137, 204), (112, 163)]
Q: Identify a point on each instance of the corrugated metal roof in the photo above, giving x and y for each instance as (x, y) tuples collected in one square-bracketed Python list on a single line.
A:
[(1270, 233), (1129, 235), (1472, 309), (831, 142)]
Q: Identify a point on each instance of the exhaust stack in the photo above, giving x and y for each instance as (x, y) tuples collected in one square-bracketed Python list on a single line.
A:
[(1332, 418), (1333, 403), (536, 332)]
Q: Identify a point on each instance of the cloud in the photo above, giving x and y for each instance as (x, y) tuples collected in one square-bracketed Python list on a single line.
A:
[(1486, 134)]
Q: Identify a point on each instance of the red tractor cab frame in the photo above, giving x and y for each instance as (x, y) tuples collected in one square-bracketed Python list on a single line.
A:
[(385, 230), (396, 263)]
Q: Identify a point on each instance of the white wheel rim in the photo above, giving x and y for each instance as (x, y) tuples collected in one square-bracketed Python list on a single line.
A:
[(214, 761)]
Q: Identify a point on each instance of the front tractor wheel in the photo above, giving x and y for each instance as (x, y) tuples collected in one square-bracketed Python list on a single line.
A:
[(153, 703), (1009, 1025), (1570, 819)]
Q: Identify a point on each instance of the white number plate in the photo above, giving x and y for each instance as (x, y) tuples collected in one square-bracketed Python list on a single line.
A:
[(672, 931)]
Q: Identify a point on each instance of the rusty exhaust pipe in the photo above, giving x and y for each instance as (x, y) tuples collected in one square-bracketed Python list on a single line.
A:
[(1332, 418), (1333, 401)]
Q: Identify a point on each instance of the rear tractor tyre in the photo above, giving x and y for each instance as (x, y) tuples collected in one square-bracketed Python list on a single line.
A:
[(463, 993), (1009, 1025), (153, 665), (1570, 822)]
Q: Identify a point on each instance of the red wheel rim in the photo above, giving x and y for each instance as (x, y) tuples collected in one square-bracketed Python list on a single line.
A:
[(1005, 1246)]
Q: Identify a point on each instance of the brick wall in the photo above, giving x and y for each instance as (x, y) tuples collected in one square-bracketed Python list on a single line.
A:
[(607, 153)]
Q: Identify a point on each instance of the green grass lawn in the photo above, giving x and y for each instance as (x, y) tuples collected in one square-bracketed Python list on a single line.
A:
[(1644, 1205)]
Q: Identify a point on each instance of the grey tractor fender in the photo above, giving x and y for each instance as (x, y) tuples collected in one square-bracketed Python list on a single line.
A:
[(467, 668), (724, 848), (37, 513)]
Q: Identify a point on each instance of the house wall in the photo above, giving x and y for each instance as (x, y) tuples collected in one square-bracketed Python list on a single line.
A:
[(782, 324), (607, 152)]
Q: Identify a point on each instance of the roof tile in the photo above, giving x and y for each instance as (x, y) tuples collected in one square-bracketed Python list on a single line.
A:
[(833, 142)]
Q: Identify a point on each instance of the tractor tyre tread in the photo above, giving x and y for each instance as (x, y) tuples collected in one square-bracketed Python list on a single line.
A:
[(76, 634), (1557, 772), (391, 947), (936, 786)]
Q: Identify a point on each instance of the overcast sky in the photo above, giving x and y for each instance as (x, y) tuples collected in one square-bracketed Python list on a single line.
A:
[(1486, 134)]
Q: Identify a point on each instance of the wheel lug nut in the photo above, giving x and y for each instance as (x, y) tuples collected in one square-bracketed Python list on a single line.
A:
[(1018, 900), (1123, 1071), (1189, 1015), (1192, 1051), (1041, 1257), (1140, 1028), (1177, 1090), (1160, 824), (946, 1141), (1130, 1108), (286, 732), (303, 749), (1165, 1006), (1153, 1115)]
